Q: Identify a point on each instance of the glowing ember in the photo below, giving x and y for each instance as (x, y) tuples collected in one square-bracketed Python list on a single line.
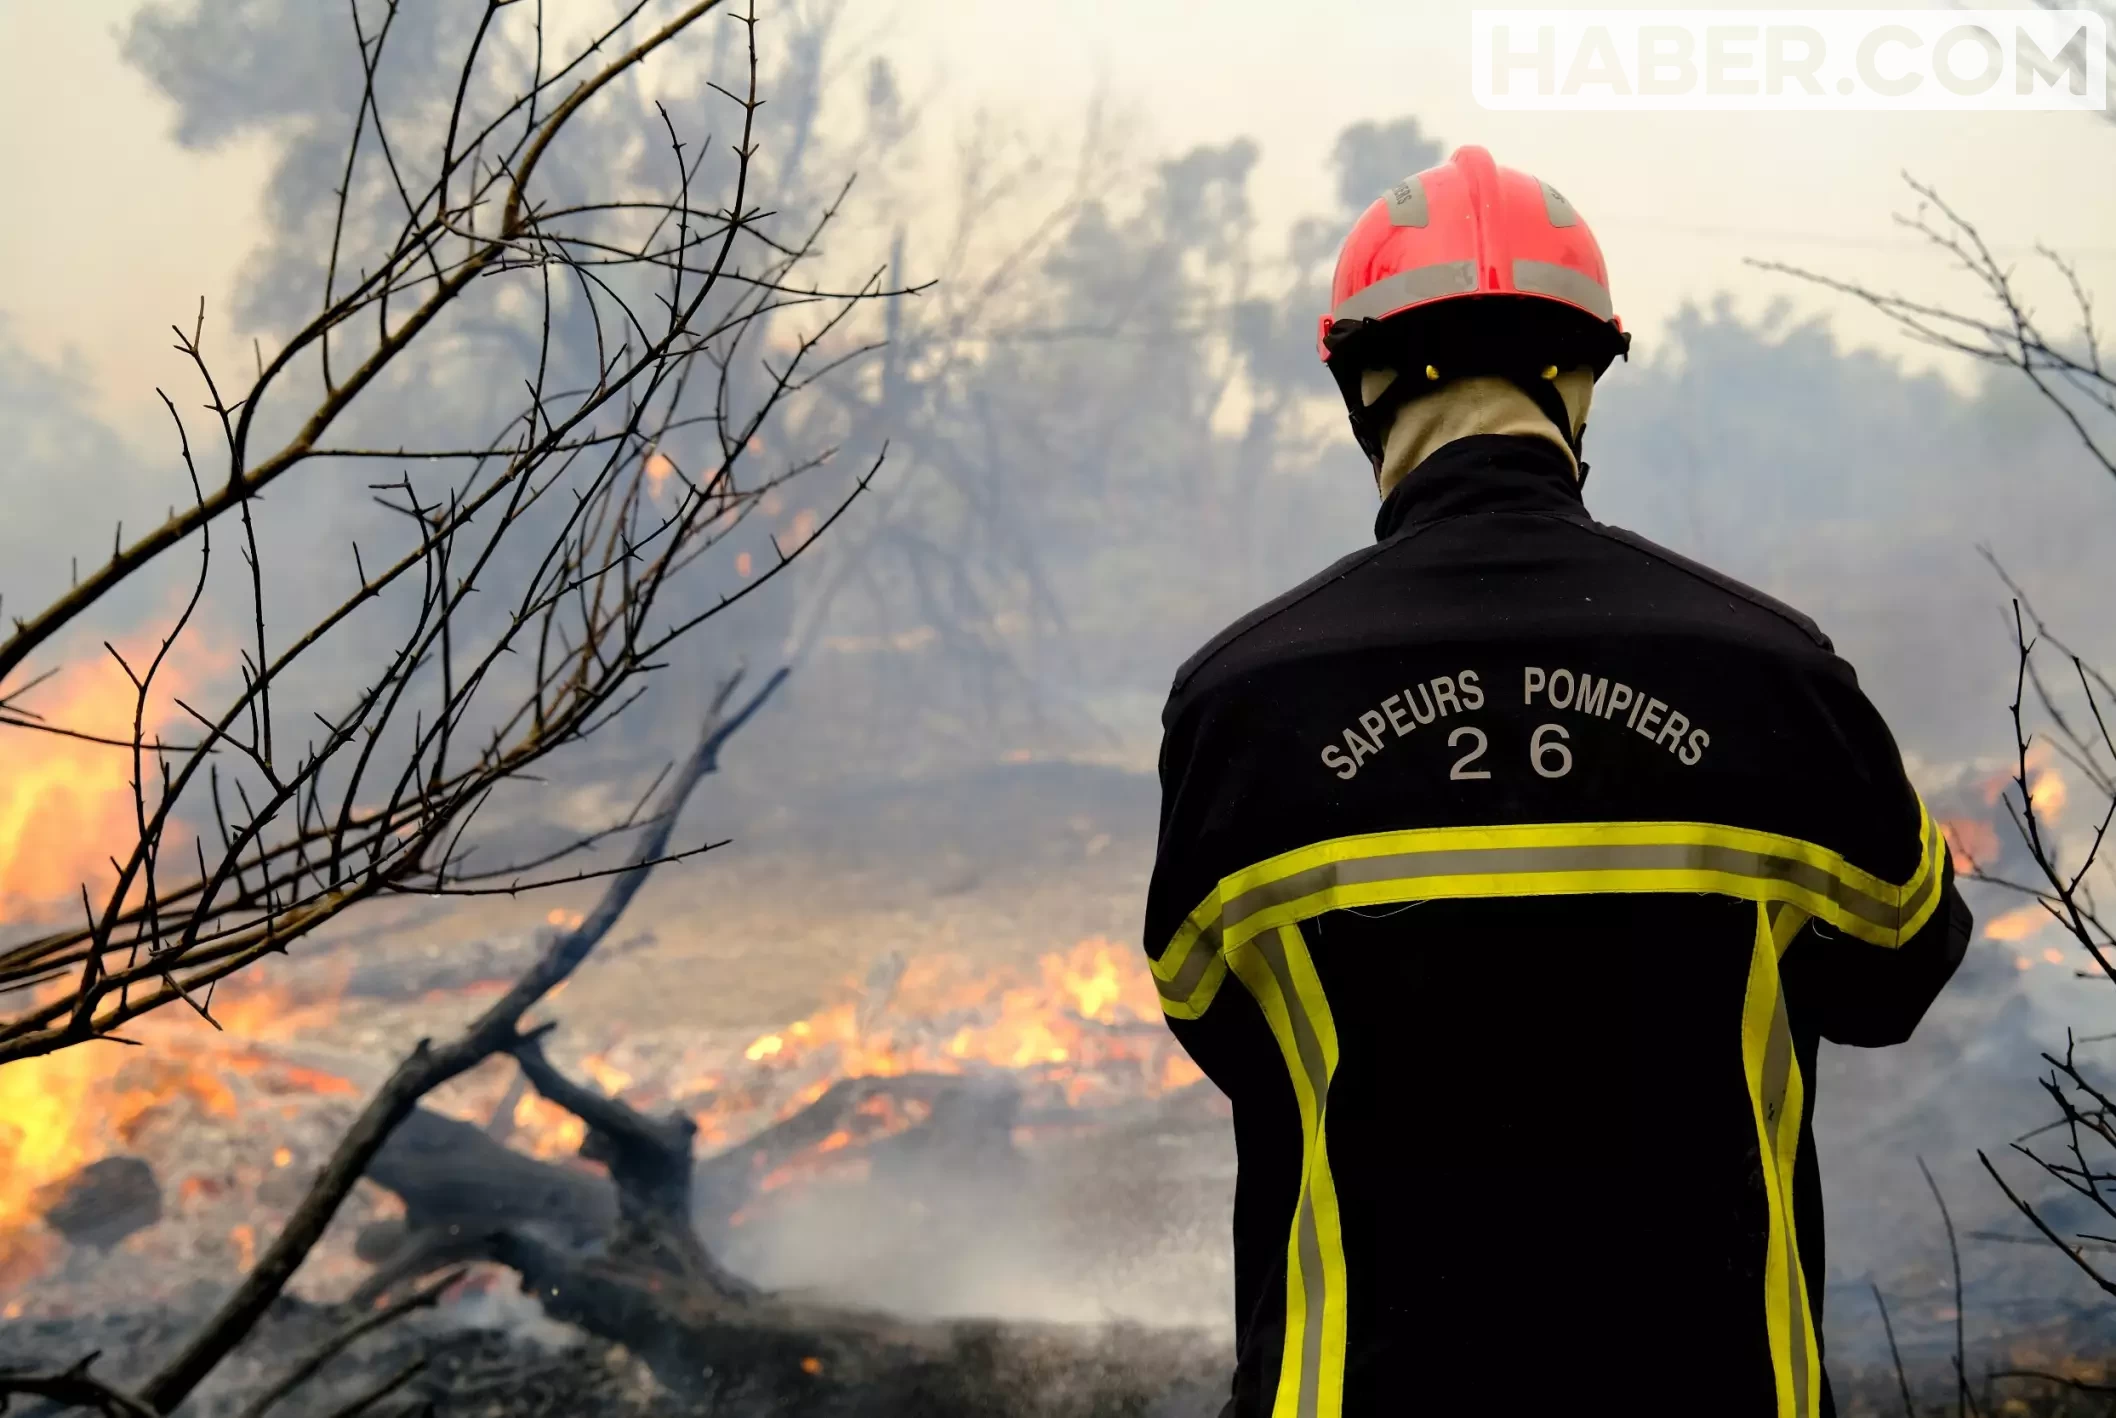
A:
[(1086, 1031), (545, 1129), (612, 1080)]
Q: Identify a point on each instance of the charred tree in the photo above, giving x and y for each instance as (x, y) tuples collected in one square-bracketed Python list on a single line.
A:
[(632, 1268)]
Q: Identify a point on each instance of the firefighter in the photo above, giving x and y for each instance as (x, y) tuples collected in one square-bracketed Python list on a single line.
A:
[(1509, 872)]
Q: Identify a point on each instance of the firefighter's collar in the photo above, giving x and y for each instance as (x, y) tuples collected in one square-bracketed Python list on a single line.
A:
[(1482, 473)]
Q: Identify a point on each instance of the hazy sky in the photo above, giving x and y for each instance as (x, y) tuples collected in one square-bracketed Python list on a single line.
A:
[(114, 231), (1677, 200)]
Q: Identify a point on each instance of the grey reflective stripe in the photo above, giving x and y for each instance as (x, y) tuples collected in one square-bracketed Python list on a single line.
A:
[(1191, 972), (1557, 208), (1927, 864), (1407, 203), (1777, 1074), (1273, 951), (1549, 278), (1778, 1065), (1311, 1329), (1408, 288), (1511, 861)]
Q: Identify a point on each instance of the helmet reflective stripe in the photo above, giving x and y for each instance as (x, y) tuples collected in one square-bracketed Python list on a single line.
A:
[(1549, 278), (1392, 293)]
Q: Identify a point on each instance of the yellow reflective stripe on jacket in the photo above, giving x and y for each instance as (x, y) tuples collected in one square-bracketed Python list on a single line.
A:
[(1777, 1095), (1554, 859), (1278, 971)]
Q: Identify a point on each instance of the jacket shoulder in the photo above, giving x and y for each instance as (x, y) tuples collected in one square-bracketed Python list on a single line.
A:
[(1258, 619), (1719, 579)]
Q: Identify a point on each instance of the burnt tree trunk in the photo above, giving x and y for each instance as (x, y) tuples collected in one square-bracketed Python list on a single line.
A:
[(623, 1259)]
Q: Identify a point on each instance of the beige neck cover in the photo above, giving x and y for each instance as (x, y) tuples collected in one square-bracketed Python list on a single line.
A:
[(1461, 408)]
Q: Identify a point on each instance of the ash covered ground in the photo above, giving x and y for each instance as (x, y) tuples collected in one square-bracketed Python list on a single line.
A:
[(897, 932)]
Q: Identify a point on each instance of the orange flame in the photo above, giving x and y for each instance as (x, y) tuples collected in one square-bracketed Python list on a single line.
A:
[(658, 467), (41, 1101), (1087, 1030), (2046, 786), (2017, 924), (1971, 841), (66, 805), (59, 1112), (1078, 1028), (2046, 789)]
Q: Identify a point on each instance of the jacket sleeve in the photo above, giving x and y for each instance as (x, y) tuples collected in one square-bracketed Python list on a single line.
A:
[(1850, 992), (1847, 990), (1225, 805), (1190, 858)]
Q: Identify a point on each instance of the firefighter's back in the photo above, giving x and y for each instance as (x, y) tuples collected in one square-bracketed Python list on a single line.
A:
[(1480, 853)]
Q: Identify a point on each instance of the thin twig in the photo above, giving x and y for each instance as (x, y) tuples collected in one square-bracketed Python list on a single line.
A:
[(1895, 1355), (423, 1298)]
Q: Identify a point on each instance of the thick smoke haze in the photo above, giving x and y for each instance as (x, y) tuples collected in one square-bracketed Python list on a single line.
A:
[(1108, 436), (1108, 431)]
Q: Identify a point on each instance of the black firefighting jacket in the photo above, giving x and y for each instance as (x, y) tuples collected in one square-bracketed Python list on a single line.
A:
[(1509, 872)]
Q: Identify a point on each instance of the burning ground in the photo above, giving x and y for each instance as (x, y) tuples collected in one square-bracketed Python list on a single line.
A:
[(931, 1083)]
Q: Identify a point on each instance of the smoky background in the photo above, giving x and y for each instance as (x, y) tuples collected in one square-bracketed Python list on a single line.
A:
[(1108, 436)]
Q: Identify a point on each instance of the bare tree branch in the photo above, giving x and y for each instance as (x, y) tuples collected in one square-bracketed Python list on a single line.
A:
[(2067, 372), (538, 584), (497, 1030)]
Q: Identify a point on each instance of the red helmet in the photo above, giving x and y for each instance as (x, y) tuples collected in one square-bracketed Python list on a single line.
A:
[(1467, 268)]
